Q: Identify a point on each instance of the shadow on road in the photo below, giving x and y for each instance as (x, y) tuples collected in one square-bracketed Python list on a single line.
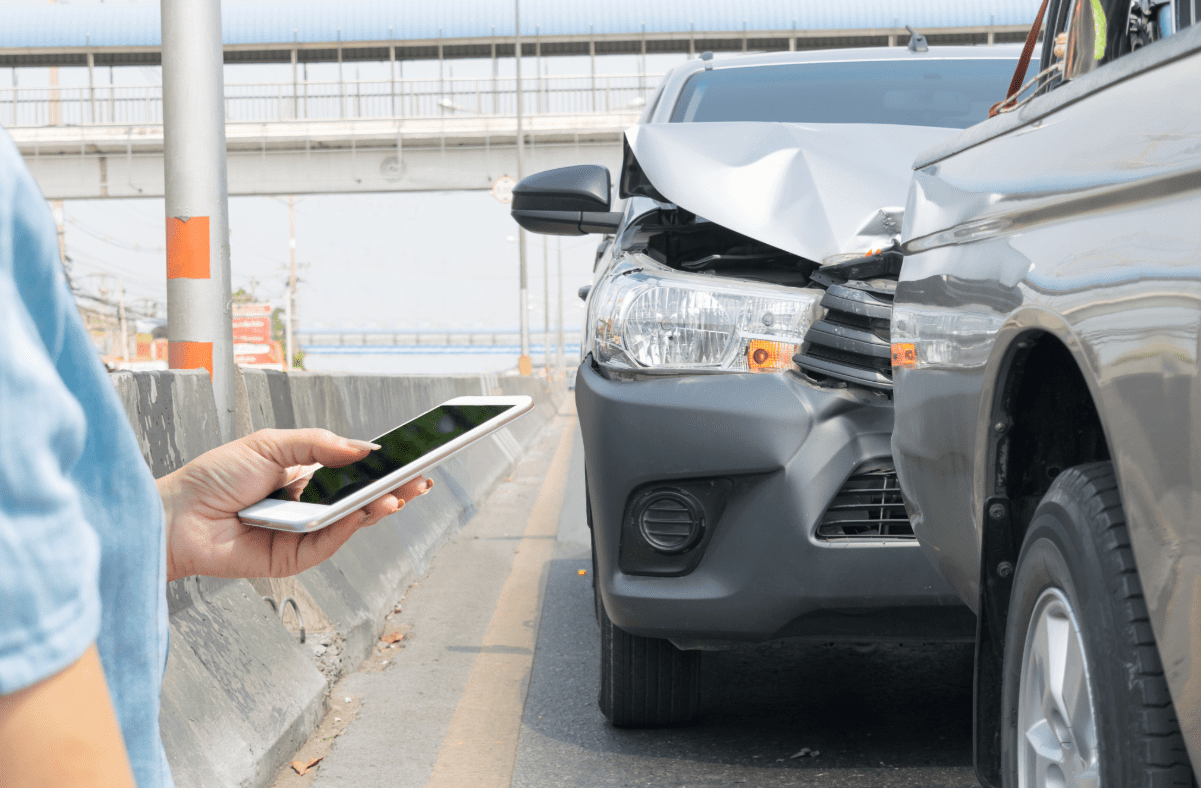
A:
[(878, 715)]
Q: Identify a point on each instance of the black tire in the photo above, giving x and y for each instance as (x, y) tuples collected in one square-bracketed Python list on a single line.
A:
[(1078, 545), (646, 682)]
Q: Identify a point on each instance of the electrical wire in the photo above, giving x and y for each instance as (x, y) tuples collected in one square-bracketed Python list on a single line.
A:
[(108, 240)]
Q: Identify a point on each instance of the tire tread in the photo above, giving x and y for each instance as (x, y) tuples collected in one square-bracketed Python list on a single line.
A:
[(646, 682), (1157, 736)]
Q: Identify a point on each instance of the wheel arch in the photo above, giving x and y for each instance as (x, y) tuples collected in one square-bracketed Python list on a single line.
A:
[(1039, 416), (1042, 415)]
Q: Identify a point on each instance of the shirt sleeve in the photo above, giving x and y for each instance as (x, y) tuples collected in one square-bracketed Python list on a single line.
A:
[(49, 554)]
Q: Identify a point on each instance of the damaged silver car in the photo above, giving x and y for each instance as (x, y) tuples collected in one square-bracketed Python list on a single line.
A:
[(735, 390)]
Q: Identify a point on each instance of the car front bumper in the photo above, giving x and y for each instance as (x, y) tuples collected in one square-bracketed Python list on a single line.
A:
[(789, 447)]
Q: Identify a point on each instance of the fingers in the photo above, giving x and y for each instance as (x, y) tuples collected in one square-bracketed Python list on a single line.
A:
[(394, 501), (306, 447), (381, 508), (311, 549), (410, 490)]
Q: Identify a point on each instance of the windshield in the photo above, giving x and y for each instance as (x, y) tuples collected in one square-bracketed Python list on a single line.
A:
[(947, 93)]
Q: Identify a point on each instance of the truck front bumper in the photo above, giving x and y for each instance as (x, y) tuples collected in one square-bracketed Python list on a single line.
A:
[(782, 449)]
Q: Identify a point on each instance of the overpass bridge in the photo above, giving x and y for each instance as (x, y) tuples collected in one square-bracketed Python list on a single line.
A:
[(299, 136), (316, 137)]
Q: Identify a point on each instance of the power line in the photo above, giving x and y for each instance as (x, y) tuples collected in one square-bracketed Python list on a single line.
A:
[(109, 240)]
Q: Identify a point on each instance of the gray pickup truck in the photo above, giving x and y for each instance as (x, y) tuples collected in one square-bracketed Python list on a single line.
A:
[(1047, 387), (734, 391)]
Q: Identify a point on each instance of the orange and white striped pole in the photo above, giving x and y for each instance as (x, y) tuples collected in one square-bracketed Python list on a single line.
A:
[(199, 326)]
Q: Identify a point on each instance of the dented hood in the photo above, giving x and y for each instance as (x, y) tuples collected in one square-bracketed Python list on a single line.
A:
[(821, 191)]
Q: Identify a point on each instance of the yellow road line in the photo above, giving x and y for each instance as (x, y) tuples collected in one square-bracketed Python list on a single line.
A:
[(481, 744)]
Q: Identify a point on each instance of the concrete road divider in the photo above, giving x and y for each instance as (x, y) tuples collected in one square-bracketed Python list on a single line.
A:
[(241, 693)]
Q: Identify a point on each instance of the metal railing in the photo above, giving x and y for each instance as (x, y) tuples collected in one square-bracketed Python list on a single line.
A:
[(345, 100), (423, 341)]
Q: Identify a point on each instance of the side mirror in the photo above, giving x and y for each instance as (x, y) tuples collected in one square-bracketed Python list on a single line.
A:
[(566, 201), (1085, 47), (583, 292)]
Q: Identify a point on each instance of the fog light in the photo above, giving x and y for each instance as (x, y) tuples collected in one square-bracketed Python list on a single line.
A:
[(671, 521)]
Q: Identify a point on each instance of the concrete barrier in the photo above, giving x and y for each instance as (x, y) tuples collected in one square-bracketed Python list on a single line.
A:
[(241, 694)]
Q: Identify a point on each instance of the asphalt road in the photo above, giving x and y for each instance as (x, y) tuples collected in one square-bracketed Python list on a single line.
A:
[(895, 715)]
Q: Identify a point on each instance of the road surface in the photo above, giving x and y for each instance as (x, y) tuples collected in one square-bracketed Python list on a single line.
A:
[(495, 682)]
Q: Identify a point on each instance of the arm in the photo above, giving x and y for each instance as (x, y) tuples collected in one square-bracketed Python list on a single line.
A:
[(202, 500), (62, 731)]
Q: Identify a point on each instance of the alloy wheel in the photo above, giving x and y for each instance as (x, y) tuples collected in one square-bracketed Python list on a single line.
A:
[(1057, 723)]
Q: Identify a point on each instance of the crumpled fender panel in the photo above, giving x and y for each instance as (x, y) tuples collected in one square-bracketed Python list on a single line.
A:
[(819, 190)]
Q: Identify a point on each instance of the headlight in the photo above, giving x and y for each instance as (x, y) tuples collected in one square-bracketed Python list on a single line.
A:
[(646, 317)]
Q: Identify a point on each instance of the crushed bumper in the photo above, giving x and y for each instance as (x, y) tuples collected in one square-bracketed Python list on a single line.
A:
[(788, 447)]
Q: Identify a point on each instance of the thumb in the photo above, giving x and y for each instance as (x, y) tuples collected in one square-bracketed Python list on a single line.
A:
[(288, 448)]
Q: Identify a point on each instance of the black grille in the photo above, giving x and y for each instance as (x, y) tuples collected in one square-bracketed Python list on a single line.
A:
[(868, 506), (670, 522), (852, 342)]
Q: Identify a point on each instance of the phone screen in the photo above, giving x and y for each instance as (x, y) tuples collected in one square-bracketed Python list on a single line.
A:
[(401, 446)]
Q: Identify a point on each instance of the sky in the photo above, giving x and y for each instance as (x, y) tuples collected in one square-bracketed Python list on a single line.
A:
[(388, 260)]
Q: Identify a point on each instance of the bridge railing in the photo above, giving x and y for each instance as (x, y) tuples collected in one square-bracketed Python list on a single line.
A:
[(334, 100), (437, 341)]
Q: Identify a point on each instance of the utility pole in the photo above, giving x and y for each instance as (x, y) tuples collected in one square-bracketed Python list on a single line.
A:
[(546, 304), (290, 306), (124, 325), (60, 218), (199, 325), (561, 359), (524, 366)]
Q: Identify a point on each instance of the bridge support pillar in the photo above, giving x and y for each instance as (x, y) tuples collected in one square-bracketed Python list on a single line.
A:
[(199, 327)]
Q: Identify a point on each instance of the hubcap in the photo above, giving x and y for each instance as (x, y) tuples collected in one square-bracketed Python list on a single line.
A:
[(1057, 727)]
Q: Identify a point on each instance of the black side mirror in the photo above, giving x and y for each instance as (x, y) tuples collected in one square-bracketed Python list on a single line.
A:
[(566, 201)]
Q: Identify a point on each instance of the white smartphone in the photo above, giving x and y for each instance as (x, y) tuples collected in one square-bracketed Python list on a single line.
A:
[(406, 452)]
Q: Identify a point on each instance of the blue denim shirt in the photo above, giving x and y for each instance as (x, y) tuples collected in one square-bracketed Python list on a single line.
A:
[(82, 543)]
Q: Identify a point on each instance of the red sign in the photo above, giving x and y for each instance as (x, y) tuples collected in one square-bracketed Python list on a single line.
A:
[(252, 336), (252, 324)]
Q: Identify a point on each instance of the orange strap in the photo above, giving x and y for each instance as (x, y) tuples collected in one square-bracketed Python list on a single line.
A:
[(1019, 74)]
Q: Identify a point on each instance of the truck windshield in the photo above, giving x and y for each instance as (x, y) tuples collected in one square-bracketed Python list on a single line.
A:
[(920, 92)]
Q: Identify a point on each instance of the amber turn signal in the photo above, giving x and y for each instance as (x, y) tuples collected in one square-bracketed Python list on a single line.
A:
[(904, 354), (763, 355)]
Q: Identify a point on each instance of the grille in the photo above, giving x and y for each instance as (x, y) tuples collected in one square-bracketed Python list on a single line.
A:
[(868, 506), (670, 522), (852, 342)]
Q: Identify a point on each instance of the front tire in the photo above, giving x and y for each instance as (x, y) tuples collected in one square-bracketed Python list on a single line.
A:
[(1084, 698), (646, 682)]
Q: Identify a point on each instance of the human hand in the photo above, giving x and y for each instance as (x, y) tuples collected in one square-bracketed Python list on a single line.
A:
[(202, 500)]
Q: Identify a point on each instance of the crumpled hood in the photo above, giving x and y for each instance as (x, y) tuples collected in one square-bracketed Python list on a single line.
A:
[(820, 191)]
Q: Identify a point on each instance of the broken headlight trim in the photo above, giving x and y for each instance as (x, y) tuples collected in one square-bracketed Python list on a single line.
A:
[(647, 317)]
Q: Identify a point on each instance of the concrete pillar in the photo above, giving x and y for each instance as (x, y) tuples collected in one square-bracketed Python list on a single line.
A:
[(199, 327), (642, 66), (91, 82), (392, 69), (341, 80), (295, 79)]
